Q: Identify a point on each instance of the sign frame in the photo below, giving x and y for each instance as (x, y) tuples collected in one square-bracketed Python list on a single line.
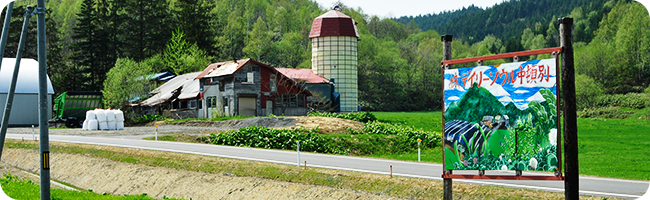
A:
[(557, 176)]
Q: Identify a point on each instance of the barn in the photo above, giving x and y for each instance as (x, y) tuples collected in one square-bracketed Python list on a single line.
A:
[(25, 105), (241, 87)]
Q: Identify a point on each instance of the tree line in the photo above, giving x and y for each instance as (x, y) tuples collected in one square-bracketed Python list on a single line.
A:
[(99, 45)]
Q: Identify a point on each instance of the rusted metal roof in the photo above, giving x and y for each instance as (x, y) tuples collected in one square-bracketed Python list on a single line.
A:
[(306, 75), (333, 23), (222, 68)]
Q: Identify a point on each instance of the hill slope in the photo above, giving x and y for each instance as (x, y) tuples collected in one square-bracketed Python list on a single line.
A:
[(510, 18)]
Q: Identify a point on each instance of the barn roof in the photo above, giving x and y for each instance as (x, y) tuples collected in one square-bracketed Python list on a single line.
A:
[(306, 75), (27, 82), (222, 68), (187, 83), (333, 23)]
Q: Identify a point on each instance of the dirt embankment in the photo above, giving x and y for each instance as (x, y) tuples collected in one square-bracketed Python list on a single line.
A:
[(326, 125), (103, 175)]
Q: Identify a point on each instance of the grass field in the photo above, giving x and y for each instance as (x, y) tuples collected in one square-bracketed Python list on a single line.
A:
[(24, 189), (616, 148), (412, 188)]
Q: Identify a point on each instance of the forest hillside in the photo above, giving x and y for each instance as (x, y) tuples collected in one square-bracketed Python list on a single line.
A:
[(99, 45)]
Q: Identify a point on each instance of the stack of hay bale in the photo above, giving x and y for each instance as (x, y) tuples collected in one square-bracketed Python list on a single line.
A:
[(100, 119)]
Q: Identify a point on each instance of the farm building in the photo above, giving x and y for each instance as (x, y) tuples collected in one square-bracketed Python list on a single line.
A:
[(176, 98), (323, 97), (249, 88), (245, 87), (25, 105)]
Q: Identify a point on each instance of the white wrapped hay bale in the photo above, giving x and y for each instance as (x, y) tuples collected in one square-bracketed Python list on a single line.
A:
[(111, 125), (119, 116), (101, 116), (92, 124), (84, 127), (119, 125), (103, 126), (110, 115), (90, 114)]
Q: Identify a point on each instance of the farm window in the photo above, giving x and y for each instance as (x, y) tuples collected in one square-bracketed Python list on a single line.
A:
[(211, 102), (290, 100), (192, 104), (274, 83), (241, 77), (183, 104), (222, 86)]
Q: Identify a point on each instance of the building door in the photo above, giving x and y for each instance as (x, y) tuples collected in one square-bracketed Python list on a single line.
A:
[(247, 106), (269, 107), (212, 110)]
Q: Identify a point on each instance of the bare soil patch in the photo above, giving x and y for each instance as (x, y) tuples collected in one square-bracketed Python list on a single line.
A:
[(103, 175), (326, 125)]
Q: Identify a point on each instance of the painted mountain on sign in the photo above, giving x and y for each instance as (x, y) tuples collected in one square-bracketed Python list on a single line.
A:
[(478, 102)]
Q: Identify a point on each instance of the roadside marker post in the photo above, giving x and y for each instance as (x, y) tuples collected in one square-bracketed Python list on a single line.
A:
[(156, 132), (33, 135), (391, 171), (298, 148), (419, 140)]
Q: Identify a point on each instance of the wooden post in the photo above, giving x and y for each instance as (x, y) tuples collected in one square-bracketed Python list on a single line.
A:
[(447, 182), (571, 184)]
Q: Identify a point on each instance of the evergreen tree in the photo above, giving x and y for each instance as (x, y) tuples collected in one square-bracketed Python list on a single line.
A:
[(86, 48), (194, 19), (146, 28)]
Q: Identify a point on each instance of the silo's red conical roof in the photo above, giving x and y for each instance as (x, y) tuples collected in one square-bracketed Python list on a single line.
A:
[(333, 23)]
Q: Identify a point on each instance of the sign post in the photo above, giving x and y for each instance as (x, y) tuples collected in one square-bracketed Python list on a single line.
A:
[(446, 55), (419, 140), (571, 184)]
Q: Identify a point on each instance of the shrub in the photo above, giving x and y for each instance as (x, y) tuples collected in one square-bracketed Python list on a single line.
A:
[(407, 136), (376, 138), (263, 137), (355, 116), (586, 90), (629, 100), (149, 118), (604, 112)]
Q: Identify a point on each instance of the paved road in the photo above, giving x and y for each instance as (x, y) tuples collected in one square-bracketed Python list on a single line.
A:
[(629, 189)]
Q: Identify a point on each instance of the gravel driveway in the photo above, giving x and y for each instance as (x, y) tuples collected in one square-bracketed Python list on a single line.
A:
[(189, 127), (137, 130)]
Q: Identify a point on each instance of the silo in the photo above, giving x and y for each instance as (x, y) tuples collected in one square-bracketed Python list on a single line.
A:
[(334, 38)]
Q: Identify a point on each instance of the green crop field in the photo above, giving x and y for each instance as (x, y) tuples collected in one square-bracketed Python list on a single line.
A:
[(607, 147)]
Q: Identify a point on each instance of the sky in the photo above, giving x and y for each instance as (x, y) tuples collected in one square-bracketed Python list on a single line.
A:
[(392, 8)]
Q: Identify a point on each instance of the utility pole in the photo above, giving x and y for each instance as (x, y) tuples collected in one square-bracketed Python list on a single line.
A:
[(446, 55), (571, 183), (42, 102), (3, 44)]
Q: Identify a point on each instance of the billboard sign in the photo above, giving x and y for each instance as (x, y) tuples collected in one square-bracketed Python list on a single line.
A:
[(501, 117)]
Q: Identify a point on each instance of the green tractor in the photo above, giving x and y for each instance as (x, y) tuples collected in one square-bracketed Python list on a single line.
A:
[(70, 107)]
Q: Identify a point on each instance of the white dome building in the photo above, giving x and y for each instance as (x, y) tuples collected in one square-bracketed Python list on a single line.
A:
[(24, 111)]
